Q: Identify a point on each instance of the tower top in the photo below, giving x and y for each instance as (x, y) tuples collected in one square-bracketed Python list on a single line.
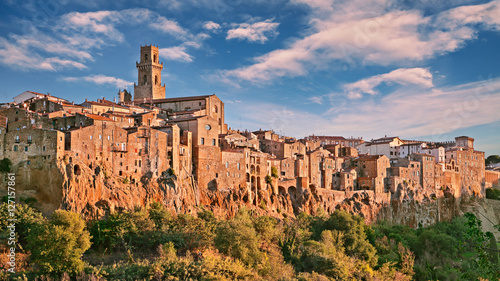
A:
[(149, 69)]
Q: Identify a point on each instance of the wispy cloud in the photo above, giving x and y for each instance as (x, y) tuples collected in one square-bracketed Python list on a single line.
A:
[(177, 53), (316, 99), (405, 112), (254, 32), (74, 36), (21, 58), (357, 32), (403, 76), (102, 80)]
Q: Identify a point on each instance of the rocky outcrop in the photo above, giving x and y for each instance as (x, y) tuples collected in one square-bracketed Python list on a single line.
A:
[(95, 192)]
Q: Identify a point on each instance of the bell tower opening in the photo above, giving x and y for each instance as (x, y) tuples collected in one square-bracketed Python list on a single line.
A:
[(149, 85)]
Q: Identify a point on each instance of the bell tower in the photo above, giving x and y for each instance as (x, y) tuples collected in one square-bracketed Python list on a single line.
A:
[(148, 85)]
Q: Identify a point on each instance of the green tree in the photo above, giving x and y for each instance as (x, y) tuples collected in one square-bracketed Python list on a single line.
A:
[(238, 238), (492, 159), (58, 245), (354, 235), (5, 165), (274, 172), (26, 217), (485, 265)]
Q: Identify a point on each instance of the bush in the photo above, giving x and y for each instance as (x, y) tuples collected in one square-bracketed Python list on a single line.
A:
[(269, 179), (274, 172), (492, 193), (26, 216), (238, 238), (5, 165), (57, 245), (354, 238)]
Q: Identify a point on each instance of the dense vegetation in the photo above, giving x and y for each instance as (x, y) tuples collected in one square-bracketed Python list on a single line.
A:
[(492, 159), (153, 244)]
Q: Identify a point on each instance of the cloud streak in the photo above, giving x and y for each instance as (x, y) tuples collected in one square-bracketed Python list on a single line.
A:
[(357, 32), (70, 42), (405, 112), (102, 80), (402, 76), (254, 32)]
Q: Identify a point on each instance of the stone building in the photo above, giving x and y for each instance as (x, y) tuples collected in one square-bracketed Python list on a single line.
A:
[(208, 105), (371, 171), (339, 140), (149, 69), (32, 144), (427, 169)]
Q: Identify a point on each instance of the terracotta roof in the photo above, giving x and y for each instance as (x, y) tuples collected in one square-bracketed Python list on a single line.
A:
[(113, 104), (95, 116), (368, 157), (180, 99)]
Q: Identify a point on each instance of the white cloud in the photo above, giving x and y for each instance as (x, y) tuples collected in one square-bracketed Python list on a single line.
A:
[(212, 26), (356, 32), (102, 80), (20, 57), (177, 53), (316, 99), (72, 38), (254, 32), (403, 76), (408, 113)]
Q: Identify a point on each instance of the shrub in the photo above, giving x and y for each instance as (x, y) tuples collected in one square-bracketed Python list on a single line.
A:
[(5, 165), (269, 179), (238, 238), (492, 193), (57, 245), (274, 172)]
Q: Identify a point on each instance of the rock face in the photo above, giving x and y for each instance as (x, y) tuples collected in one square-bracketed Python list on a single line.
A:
[(94, 192)]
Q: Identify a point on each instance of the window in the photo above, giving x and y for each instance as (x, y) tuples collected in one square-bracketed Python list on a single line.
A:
[(202, 141), (238, 165), (145, 57), (28, 162), (15, 147), (17, 138), (156, 79), (213, 142), (25, 148), (109, 137), (144, 79), (154, 58), (227, 164), (29, 139), (100, 137), (90, 136)]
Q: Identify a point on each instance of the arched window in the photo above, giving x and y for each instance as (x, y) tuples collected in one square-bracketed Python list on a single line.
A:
[(215, 108), (154, 58), (145, 79), (156, 79), (145, 57)]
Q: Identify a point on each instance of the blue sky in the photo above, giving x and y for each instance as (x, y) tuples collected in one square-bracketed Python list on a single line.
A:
[(424, 69)]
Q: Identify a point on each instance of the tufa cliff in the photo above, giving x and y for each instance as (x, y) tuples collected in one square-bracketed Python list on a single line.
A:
[(95, 192)]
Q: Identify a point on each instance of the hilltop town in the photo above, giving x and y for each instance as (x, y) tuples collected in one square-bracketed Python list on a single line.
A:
[(149, 147)]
